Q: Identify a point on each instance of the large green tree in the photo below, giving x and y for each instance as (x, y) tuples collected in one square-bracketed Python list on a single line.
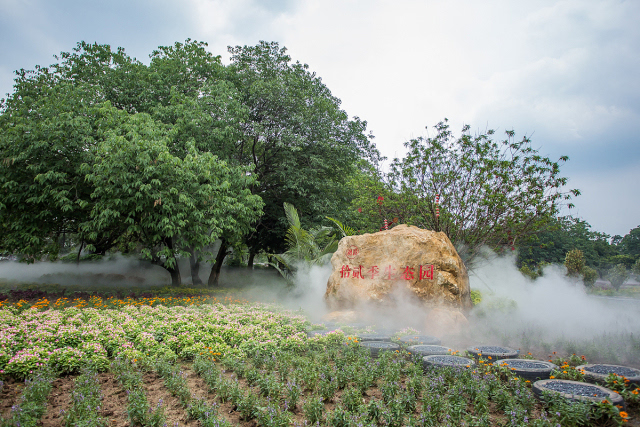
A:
[(48, 131), (303, 146), (168, 205)]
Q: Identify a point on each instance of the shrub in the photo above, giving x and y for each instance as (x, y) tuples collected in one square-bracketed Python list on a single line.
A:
[(617, 275), (574, 261), (476, 297), (589, 276)]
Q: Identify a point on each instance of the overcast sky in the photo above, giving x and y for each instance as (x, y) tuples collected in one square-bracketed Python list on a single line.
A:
[(565, 73)]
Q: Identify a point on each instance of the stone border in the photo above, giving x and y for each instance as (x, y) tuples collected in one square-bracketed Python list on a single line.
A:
[(453, 361), (419, 339), (373, 337), (477, 352), (434, 350), (375, 347), (602, 378), (540, 386), (529, 373)]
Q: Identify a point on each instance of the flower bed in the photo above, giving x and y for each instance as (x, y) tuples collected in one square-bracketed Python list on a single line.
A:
[(257, 362)]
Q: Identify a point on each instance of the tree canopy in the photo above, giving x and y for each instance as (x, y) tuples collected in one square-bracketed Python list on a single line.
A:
[(165, 158), (479, 191)]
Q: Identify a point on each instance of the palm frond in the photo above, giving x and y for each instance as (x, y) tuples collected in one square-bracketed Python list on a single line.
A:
[(344, 229)]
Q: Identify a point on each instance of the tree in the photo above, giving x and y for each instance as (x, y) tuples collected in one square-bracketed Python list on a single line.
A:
[(617, 275), (636, 269), (168, 205), (60, 117), (303, 146), (480, 192), (630, 243), (48, 128), (589, 276), (574, 262), (551, 243)]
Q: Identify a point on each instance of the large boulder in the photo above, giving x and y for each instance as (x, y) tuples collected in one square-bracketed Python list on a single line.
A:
[(371, 268)]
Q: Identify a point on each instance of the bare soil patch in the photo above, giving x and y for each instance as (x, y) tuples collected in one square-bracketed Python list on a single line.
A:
[(59, 400)]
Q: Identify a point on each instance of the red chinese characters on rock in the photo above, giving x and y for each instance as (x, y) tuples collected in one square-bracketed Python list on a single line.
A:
[(408, 273), (352, 252), (425, 272), (345, 271), (357, 273)]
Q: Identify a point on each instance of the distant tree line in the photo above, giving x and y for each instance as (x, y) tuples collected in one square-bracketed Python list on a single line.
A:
[(572, 242)]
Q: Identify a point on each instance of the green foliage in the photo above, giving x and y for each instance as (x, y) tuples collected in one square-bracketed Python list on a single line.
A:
[(495, 305), (551, 244), (103, 152), (636, 268), (303, 146), (86, 399), (304, 247), (32, 404), (165, 203), (589, 276), (491, 193), (345, 230), (617, 276), (530, 273), (574, 262), (476, 297), (630, 243)]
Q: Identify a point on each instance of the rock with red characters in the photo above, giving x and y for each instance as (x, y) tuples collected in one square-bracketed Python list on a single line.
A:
[(376, 268)]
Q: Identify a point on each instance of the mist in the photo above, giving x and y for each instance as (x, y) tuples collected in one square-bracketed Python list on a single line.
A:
[(551, 313)]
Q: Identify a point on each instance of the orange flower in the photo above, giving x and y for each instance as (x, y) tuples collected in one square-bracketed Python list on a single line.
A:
[(623, 414)]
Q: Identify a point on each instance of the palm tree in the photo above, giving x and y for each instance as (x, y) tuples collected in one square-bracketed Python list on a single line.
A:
[(304, 247)]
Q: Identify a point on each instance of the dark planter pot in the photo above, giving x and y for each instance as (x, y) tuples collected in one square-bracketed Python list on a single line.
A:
[(531, 370), (419, 339), (373, 337), (597, 373), (439, 361), (375, 347), (577, 391), (427, 350), (494, 351)]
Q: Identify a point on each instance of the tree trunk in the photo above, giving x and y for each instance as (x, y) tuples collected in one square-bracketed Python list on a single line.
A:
[(252, 255), (176, 280), (194, 263), (175, 275), (214, 276)]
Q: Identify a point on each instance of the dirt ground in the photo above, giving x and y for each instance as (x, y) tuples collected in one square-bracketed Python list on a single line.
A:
[(115, 401)]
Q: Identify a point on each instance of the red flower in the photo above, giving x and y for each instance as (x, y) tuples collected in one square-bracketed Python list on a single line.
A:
[(380, 199), (360, 210)]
